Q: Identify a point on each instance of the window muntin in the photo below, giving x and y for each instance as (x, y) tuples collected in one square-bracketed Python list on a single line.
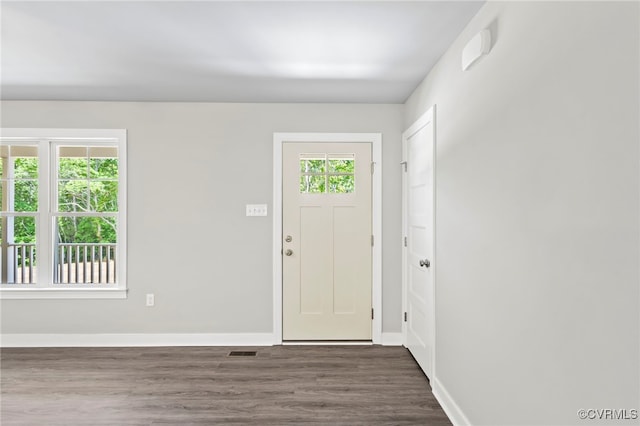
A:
[(72, 201)]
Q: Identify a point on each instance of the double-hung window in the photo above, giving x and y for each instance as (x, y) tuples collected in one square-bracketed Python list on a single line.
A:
[(63, 213)]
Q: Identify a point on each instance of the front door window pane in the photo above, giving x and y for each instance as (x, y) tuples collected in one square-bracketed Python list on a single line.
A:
[(341, 184), (327, 173)]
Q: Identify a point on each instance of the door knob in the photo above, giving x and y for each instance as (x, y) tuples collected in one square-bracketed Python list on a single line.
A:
[(425, 263), (289, 252)]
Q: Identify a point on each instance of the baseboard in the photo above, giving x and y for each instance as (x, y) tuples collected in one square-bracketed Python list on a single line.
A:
[(153, 339), (453, 411), (391, 339), (326, 343), (135, 339)]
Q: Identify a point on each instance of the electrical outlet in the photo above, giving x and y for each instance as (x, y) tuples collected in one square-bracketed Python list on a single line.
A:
[(151, 300)]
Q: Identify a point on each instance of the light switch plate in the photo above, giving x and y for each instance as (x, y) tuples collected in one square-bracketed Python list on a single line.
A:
[(256, 209)]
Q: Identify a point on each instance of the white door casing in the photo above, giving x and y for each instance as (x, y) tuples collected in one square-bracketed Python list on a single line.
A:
[(372, 139), (326, 221), (419, 244)]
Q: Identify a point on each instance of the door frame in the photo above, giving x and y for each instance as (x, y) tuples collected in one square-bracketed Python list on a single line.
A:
[(428, 117), (375, 139)]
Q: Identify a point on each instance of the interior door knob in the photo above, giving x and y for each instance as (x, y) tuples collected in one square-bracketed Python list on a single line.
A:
[(289, 252), (425, 263)]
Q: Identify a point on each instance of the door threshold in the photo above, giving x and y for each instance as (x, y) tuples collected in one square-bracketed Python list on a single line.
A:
[(327, 343)]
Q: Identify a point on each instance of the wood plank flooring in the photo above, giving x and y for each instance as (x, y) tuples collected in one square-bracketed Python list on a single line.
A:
[(282, 385)]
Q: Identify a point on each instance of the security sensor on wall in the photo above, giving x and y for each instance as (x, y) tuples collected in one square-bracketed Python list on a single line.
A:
[(477, 47)]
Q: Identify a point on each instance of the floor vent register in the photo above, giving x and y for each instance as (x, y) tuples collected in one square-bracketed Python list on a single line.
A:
[(243, 353)]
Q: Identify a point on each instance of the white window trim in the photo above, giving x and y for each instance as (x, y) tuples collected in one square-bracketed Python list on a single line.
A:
[(45, 289)]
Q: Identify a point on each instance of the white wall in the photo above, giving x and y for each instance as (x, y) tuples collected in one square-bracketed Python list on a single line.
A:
[(192, 169), (537, 214)]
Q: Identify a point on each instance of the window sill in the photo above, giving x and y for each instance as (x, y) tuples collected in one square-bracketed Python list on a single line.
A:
[(63, 293)]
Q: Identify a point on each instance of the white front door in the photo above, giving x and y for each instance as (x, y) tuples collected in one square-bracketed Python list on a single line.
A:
[(326, 240), (418, 218)]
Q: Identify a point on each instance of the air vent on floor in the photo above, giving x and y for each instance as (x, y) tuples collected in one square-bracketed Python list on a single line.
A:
[(243, 353)]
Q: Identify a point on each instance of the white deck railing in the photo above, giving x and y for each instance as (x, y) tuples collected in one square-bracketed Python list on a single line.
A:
[(74, 263), (21, 258), (84, 263)]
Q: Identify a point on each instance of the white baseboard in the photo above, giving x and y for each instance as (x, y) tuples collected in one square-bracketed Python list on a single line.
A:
[(153, 339), (391, 339), (453, 410), (135, 339), (326, 343)]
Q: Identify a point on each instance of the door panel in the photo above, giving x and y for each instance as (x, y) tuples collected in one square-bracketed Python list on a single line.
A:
[(327, 276), (313, 269), (419, 229)]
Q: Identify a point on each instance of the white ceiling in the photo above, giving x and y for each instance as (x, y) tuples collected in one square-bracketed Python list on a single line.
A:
[(215, 51)]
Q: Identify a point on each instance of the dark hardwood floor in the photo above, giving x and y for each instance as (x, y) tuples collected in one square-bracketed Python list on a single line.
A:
[(328, 385)]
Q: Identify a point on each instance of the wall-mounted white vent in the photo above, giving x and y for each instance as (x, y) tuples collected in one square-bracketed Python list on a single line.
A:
[(476, 48)]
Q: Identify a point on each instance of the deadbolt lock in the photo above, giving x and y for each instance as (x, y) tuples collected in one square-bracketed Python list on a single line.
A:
[(288, 238)]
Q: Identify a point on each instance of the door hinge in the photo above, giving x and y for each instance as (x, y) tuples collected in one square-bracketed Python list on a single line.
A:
[(373, 167), (405, 317), (372, 241), (405, 241), (371, 313), (404, 163)]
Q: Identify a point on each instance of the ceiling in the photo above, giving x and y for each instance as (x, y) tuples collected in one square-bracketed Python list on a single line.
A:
[(224, 51)]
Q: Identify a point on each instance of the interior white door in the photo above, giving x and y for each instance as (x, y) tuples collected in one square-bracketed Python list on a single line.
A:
[(327, 253), (418, 182)]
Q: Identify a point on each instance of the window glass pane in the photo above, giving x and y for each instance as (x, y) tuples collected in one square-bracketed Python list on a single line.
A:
[(341, 184), (72, 168), (76, 151), (103, 196), (73, 195), (26, 151), (25, 195), (19, 186), (341, 163), (24, 229), (103, 152), (88, 179), (86, 229), (85, 250), (20, 267), (310, 184), (313, 163), (103, 168), (25, 168)]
